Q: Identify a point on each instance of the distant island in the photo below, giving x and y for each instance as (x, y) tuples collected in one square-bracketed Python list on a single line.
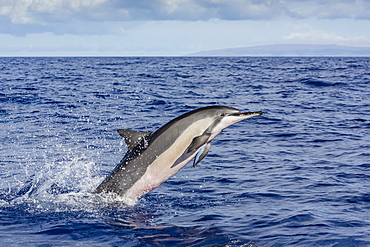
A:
[(289, 50)]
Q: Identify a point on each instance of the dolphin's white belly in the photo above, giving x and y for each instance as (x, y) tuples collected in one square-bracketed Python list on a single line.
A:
[(154, 177), (162, 168)]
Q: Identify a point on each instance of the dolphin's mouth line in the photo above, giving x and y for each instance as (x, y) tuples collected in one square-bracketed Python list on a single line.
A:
[(239, 114)]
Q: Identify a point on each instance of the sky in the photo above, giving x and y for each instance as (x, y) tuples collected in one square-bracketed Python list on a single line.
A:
[(175, 27)]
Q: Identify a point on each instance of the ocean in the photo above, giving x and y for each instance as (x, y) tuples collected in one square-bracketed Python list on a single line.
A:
[(299, 175)]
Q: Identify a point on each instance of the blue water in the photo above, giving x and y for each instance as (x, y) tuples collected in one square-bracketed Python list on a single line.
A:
[(299, 175)]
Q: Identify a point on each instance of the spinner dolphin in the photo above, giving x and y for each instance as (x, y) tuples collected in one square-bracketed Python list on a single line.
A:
[(153, 157)]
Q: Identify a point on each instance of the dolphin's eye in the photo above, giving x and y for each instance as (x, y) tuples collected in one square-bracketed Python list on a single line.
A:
[(222, 114)]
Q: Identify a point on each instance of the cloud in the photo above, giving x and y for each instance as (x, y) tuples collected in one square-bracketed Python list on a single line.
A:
[(42, 11), (50, 15), (27, 11), (332, 9), (323, 37)]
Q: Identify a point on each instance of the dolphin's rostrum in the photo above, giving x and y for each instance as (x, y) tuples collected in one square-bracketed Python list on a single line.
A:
[(153, 157)]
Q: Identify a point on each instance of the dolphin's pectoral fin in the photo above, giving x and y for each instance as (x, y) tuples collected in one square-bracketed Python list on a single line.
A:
[(201, 154), (132, 137), (198, 141)]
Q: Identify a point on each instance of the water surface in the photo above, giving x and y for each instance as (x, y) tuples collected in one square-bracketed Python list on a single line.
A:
[(299, 175)]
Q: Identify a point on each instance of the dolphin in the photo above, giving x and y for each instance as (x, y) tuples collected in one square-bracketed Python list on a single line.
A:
[(153, 157)]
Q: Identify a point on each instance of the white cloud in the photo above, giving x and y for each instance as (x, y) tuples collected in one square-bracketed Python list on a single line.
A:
[(323, 37), (332, 9), (40, 11), (56, 15)]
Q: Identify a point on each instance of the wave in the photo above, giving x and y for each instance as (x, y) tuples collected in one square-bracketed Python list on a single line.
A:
[(62, 186), (318, 83)]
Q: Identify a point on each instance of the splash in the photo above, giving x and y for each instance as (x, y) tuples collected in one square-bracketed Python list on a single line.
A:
[(63, 186)]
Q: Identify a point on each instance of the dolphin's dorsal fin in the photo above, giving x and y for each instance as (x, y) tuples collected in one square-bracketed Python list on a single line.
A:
[(132, 137), (198, 141), (201, 154)]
